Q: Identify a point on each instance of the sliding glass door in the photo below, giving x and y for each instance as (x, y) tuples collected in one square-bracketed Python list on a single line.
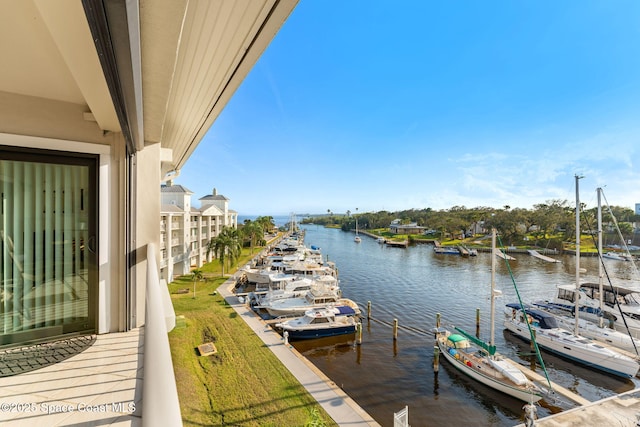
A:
[(48, 244)]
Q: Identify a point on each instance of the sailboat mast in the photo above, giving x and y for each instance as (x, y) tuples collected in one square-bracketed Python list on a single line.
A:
[(493, 286), (576, 303), (600, 270)]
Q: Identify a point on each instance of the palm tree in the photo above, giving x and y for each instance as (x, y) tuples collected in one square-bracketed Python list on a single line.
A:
[(196, 275), (226, 246), (253, 231), (266, 222)]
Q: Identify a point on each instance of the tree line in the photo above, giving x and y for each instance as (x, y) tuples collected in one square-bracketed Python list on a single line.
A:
[(227, 246), (548, 224)]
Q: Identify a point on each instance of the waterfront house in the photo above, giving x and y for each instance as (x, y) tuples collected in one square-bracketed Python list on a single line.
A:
[(412, 228)]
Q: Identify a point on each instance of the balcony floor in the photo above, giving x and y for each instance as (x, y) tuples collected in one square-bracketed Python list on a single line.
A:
[(100, 386)]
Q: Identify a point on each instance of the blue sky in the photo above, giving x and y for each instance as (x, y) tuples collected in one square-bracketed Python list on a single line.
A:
[(385, 105)]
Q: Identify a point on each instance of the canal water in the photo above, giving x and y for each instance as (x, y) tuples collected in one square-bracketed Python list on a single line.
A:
[(411, 285)]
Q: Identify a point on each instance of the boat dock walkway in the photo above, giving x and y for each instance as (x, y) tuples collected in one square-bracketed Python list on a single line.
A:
[(463, 251), (340, 407), (542, 257), (619, 410), (503, 255), (399, 244), (556, 388)]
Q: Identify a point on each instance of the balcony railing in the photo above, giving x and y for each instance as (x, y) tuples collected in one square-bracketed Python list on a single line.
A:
[(160, 394)]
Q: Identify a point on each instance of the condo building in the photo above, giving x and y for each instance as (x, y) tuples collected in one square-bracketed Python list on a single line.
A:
[(185, 231)]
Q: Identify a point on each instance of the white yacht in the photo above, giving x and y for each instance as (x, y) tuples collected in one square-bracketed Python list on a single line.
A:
[(319, 296), (599, 332), (551, 337), (617, 300)]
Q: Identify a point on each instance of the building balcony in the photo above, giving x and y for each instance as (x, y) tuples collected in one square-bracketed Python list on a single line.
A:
[(99, 386)]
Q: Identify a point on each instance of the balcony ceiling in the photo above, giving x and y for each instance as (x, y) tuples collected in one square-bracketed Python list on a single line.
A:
[(187, 58)]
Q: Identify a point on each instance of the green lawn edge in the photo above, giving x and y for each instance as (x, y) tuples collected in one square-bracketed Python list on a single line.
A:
[(244, 383)]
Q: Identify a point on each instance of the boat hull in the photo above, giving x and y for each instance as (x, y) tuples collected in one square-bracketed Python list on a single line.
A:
[(513, 391), (305, 334), (551, 342)]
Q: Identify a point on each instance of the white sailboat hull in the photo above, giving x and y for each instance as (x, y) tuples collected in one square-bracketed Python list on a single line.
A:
[(592, 330), (490, 376), (579, 349)]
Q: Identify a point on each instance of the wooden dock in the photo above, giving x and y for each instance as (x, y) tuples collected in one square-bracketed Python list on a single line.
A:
[(399, 244), (618, 410), (502, 255), (542, 257), (463, 251), (556, 388)]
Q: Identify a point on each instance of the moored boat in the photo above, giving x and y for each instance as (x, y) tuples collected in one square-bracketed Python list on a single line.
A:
[(616, 256), (479, 359), (620, 307), (495, 371), (446, 250), (592, 330), (320, 322), (551, 337), (318, 296)]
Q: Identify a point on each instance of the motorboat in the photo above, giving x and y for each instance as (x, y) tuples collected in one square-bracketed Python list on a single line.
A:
[(620, 304), (259, 276), (446, 250), (284, 289), (616, 256), (294, 288), (551, 337), (319, 296), (320, 322)]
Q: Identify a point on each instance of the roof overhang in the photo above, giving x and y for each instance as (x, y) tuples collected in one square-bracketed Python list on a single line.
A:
[(152, 71)]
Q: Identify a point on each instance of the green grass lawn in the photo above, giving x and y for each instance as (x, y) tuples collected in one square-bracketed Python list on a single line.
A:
[(244, 383)]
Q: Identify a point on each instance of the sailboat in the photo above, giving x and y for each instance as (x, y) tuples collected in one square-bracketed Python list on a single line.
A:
[(357, 239), (479, 359), (522, 320), (595, 327)]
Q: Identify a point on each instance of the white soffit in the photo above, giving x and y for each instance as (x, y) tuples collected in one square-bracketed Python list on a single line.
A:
[(31, 62), (47, 52), (67, 24), (219, 44)]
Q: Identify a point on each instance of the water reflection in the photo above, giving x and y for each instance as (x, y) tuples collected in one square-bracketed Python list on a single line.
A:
[(327, 346), (412, 285)]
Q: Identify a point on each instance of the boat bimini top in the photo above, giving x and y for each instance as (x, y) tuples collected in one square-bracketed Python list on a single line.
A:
[(545, 320)]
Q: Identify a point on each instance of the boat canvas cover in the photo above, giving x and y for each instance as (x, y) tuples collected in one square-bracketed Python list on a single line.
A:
[(345, 311), (546, 320), (458, 341), (491, 349), (511, 372)]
